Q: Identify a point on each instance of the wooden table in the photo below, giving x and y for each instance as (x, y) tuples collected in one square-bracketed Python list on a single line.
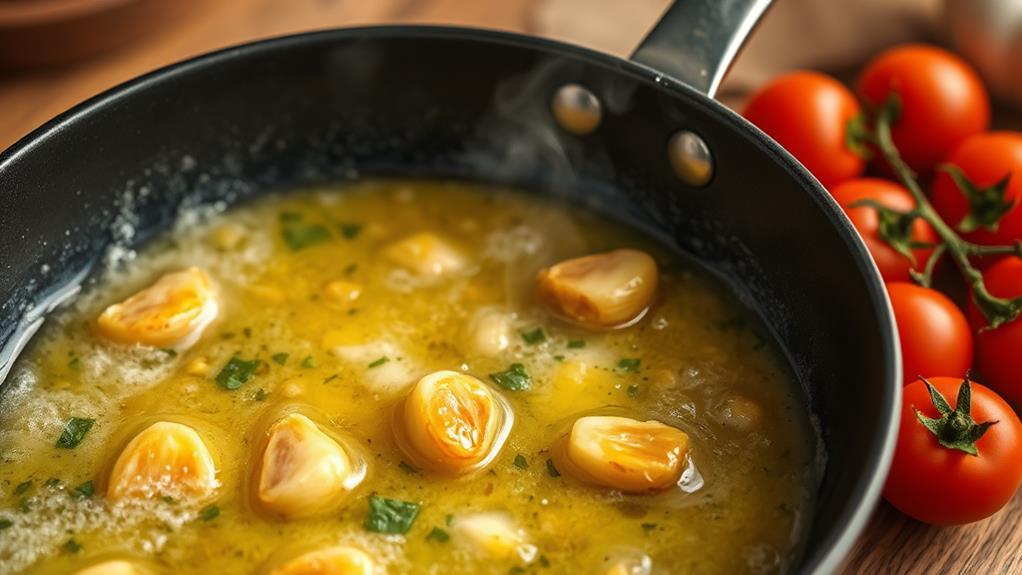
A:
[(893, 543)]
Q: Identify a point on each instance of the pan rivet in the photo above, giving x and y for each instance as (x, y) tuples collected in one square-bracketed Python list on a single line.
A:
[(576, 109), (690, 157)]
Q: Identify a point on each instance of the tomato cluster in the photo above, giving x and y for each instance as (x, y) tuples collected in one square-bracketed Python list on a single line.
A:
[(956, 460)]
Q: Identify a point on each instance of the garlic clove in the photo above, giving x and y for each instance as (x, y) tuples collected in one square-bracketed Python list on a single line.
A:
[(606, 290), (454, 423), (426, 254), (626, 454), (165, 458), (496, 535), (337, 560), (303, 471), (172, 312)]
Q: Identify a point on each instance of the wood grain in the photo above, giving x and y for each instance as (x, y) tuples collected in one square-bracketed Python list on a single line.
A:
[(893, 543)]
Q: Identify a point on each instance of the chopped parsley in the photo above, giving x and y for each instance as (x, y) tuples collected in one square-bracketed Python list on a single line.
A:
[(52, 482), (171, 352), (74, 432), (298, 237), (350, 230), (279, 358), (391, 516), (6, 524), (379, 362), (168, 499), (350, 269), (520, 462), (72, 546), (439, 535), (551, 470), (23, 487), (260, 394), (647, 527), (407, 468), (308, 362), (209, 513), (534, 336), (236, 372), (629, 364), (75, 363), (558, 358), (632, 391), (84, 491), (514, 379), (576, 343), (290, 217)]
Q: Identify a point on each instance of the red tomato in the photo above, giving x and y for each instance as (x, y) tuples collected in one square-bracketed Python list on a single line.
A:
[(999, 351), (893, 265), (808, 114), (984, 159), (934, 335), (943, 100), (946, 486)]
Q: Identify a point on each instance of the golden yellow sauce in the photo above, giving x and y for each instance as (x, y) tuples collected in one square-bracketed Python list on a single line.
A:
[(342, 331)]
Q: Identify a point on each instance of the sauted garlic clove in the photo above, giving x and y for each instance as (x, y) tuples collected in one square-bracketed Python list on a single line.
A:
[(303, 471), (452, 422), (341, 293), (171, 313), (626, 454), (426, 254), (115, 567), (338, 560), (606, 290), (495, 534), (489, 332), (165, 458)]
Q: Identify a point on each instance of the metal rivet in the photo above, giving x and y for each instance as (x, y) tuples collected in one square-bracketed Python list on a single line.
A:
[(576, 109), (690, 157)]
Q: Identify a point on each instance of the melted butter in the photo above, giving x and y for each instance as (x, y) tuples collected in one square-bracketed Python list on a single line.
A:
[(697, 348)]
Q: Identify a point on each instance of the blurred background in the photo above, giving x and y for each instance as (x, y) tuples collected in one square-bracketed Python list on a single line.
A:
[(56, 53)]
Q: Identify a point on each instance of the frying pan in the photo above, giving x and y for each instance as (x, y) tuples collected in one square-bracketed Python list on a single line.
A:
[(485, 106)]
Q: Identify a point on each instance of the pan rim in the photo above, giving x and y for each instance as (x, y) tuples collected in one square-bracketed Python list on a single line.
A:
[(832, 551)]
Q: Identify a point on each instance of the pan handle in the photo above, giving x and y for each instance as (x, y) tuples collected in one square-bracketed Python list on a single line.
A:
[(696, 40)]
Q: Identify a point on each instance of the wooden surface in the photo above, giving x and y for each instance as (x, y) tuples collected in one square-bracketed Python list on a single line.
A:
[(893, 544)]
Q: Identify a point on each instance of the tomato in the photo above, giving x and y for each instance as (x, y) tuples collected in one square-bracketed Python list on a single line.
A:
[(934, 334), (999, 351), (943, 100), (893, 265), (947, 486), (808, 114), (984, 159)]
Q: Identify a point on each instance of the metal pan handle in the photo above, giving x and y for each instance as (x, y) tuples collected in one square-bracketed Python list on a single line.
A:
[(696, 40)]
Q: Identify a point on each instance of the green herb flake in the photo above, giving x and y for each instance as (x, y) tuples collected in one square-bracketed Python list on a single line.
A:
[(629, 364), (168, 499), (169, 352), (299, 237), (632, 391), (438, 535), (543, 561), (279, 358), (449, 519), (407, 468), (74, 432), (516, 570), (534, 336), (290, 217), (520, 462), (52, 482), (558, 358), (75, 363), (260, 395), (514, 379), (379, 362), (6, 524), (84, 491), (23, 487), (24, 505), (647, 527), (71, 546), (209, 513), (391, 516), (308, 362), (350, 269), (236, 372), (576, 344), (350, 230), (551, 470)]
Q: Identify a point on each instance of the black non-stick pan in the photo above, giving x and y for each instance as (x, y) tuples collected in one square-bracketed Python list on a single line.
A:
[(641, 140)]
